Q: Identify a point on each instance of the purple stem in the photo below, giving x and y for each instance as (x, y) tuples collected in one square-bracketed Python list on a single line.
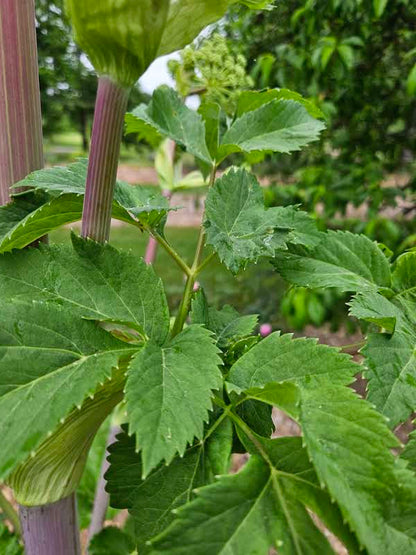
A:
[(51, 529), (21, 148), (110, 107), (102, 498), (151, 251)]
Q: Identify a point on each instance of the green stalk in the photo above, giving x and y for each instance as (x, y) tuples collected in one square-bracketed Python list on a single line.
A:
[(21, 150), (195, 269), (8, 511), (106, 137)]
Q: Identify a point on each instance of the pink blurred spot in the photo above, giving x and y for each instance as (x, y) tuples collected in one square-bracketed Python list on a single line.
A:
[(265, 330), (197, 285)]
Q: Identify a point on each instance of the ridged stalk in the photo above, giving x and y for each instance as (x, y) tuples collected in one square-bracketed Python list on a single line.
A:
[(107, 131), (102, 498), (51, 529), (20, 112), (48, 529)]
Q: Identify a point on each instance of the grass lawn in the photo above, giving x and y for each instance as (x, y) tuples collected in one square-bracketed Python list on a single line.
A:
[(63, 148), (257, 290)]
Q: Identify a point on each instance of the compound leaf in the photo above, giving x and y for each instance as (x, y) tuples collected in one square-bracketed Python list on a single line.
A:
[(342, 433), (168, 394), (295, 472)]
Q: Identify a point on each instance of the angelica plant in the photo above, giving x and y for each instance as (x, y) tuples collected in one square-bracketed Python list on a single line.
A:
[(89, 327)]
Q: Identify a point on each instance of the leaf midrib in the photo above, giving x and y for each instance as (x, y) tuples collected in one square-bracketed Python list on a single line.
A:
[(101, 315), (80, 360)]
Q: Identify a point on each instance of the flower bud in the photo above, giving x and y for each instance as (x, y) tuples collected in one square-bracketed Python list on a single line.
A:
[(121, 37)]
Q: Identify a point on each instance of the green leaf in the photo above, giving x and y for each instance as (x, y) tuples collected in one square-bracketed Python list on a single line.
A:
[(270, 371), (289, 458), (279, 126), (258, 416), (9, 544), (152, 502), (188, 17), (404, 282), (248, 512), (346, 439), (94, 281), (411, 82), (347, 55), (283, 395), (16, 211), (59, 211), (349, 445), (115, 34), (373, 307), (169, 116), (214, 121), (168, 394), (391, 356), (226, 324), (379, 7), (136, 205), (50, 361), (280, 358), (409, 453), (116, 37), (111, 541), (343, 260), (251, 100), (241, 229), (391, 372)]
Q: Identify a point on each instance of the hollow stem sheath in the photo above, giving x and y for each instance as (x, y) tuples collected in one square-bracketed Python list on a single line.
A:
[(110, 107)]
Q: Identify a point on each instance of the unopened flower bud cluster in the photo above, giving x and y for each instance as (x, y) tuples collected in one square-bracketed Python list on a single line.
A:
[(212, 70)]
